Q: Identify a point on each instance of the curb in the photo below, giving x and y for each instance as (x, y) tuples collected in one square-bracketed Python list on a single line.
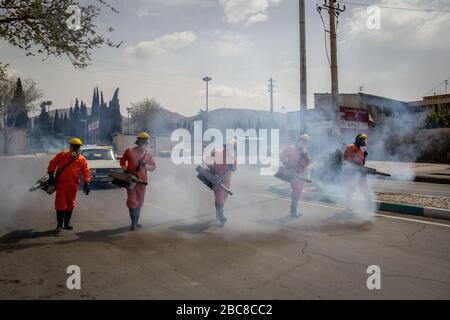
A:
[(432, 179), (382, 206)]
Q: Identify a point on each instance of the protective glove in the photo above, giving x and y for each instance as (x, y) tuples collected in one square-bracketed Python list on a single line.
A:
[(87, 188), (51, 177), (365, 154)]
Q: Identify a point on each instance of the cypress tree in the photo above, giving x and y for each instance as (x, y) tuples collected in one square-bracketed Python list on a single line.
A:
[(95, 106), (115, 115), (44, 122), (56, 123), (18, 117)]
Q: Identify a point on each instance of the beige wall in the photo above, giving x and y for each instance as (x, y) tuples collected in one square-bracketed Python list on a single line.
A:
[(17, 142)]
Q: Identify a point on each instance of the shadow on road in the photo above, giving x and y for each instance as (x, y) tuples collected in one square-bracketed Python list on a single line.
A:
[(193, 228), (11, 240), (277, 222), (19, 235)]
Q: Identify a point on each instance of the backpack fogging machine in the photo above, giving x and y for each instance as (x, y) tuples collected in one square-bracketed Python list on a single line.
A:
[(290, 175), (45, 184), (125, 180), (211, 180)]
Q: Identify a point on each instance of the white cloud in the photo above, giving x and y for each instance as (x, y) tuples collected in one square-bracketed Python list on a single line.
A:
[(145, 12), (229, 44), (409, 28), (247, 12), (224, 92), (162, 45)]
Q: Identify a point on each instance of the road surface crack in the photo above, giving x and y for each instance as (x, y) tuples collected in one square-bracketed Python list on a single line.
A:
[(287, 272), (409, 236), (338, 260), (382, 273), (415, 278)]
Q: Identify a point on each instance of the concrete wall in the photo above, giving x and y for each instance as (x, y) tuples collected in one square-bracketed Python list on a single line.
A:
[(17, 142)]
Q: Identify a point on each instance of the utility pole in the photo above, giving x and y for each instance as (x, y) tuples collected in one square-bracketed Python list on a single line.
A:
[(271, 94), (271, 87), (334, 10), (207, 80), (446, 86), (303, 78)]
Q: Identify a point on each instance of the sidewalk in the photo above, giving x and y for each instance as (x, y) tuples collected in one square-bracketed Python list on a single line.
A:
[(420, 172)]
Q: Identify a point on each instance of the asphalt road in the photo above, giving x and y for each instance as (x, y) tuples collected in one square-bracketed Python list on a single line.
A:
[(260, 254)]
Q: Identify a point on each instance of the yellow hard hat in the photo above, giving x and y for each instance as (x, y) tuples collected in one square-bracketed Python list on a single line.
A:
[(304, 137), (362, 136), (76, 142), (143, 135), (232, 141)]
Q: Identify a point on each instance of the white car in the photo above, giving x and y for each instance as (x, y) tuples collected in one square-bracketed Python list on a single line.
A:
[(100, 161)]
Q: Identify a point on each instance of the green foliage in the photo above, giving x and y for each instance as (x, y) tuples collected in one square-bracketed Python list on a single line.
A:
[(17, 111), (41, 27), (436, 120), (144, 113)]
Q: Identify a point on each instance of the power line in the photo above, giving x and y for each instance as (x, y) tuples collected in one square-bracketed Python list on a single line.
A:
[(394, 8), (325, 31), (440, 84)]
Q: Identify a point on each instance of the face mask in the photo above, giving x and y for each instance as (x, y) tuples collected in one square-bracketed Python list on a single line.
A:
[(363, 149), (74, 153)]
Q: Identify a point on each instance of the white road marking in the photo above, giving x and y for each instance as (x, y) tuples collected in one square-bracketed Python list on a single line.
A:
[(377, 214)]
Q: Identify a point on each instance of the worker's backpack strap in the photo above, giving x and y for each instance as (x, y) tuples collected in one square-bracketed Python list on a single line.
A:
[(59, 172), (138, 167)]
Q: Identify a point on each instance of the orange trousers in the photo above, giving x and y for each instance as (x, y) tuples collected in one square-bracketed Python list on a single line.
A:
[(65, 197), (297, 189), (136, 197)]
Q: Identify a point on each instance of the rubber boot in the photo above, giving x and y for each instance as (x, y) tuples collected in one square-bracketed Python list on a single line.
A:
[(138, 214), (133, 218), (67, 217), (294, 206), (219, 215), (59, 221)]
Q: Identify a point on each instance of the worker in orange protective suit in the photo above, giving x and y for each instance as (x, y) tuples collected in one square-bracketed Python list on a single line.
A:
[(64, 171), (354, 159), (296, 157), (222, 163), (137, 161)]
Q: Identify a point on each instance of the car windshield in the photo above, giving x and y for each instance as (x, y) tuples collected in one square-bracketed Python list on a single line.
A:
[(98, 154)]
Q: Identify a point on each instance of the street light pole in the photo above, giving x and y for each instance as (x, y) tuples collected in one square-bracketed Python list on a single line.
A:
[(85, 130), (207, 80), (129, 111)]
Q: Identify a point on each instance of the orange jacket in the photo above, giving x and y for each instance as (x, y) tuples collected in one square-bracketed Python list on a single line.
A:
[(354, 154), (225, 167), (71, 174), (130, 161), (293, 158)]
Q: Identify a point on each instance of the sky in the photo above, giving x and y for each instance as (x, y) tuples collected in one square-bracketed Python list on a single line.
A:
[(170, 45)]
